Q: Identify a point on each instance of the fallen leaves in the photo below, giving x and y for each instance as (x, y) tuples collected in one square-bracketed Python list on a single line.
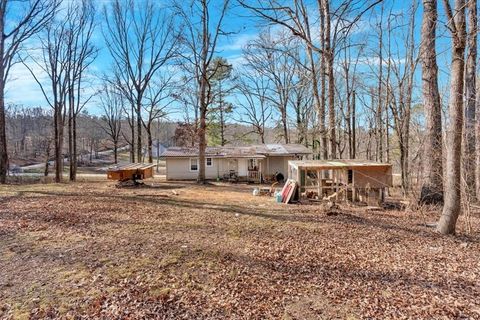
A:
[(97, 252)]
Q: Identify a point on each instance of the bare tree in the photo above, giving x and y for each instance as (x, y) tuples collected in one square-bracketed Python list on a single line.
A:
[(200, 40), (452, 206), (54, 61), (380, 107), (186, 96), (270, 56), (335, 26), (300, 98), (255, 107), (432, 189), (67, 54), (349, 67), (159, 98), (401, 90), (30, 17), (470, 97), (81, 54), (141, 39), (112, 103)]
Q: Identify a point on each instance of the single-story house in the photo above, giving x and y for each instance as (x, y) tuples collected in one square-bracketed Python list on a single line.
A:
[(254, 163)]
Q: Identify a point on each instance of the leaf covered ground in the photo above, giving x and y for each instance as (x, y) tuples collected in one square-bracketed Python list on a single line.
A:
[(181, 251)]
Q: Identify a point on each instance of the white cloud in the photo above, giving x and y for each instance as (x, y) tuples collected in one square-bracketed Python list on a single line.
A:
[(236, 61), (238, 42), (21, 88)]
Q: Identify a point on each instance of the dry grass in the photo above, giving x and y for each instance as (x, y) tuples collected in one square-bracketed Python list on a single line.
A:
[(218, 252)]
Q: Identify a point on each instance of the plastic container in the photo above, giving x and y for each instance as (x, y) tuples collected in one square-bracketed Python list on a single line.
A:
[(278, 197)]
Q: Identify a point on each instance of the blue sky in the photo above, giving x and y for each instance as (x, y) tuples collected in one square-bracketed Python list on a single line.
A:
[(22, 89)]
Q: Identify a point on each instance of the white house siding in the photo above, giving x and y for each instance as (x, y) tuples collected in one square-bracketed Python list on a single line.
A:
[(179, 169), (278, 164)]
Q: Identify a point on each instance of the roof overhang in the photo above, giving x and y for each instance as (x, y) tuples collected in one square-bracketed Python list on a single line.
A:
[(337, 164)]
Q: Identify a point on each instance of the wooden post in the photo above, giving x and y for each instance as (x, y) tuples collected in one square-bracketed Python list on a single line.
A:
[(260, 171), (268, 165), (335, 180), (354, 193), (319, 185)]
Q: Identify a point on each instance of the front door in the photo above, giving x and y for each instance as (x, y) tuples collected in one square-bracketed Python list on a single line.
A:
[(242, 167)]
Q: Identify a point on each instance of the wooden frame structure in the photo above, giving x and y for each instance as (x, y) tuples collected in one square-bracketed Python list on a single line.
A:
[(130, 172), (341, 180)]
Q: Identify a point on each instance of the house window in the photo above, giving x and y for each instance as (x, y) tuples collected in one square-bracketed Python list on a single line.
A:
[(193, 164), (209, 162), (350, 176)]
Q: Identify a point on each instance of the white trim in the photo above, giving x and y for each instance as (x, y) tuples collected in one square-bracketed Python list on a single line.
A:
[(190, 164), (211, 162)]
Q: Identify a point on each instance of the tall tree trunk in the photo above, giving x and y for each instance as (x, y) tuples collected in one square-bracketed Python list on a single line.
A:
[(451, 208), (470, 96), (285, 124), (354, 121), (432, 189), (202, 145), (387, 124), (149, 143), (58, 144), (203, 96), (323, 131), (348, 116), (314, 78), (405, 128), (132, 132), (388, 94), (349, 125), (139, 130), (404, 164), (380, 94), (3, 133), (331, 107), (115, 151), (70, 139), (222, 122), (477, 142), (74, 163), (329, 59), (47, 158), (3, 125)]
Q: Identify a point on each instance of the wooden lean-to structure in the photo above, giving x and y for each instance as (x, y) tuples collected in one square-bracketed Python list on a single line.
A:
[(131, 172), (341, 180)]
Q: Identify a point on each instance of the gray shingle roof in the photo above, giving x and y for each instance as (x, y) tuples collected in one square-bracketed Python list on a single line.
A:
[(259, 151)]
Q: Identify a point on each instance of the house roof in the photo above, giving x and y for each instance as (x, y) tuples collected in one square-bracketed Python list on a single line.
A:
[(337, 163), (253, 151)]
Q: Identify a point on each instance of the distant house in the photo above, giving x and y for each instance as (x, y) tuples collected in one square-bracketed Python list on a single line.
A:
[(251, 163)]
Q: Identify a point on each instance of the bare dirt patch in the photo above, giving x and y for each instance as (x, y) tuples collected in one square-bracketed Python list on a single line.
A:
[(179, 250)]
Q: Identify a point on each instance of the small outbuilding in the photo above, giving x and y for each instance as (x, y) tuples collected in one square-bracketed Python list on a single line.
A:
[(132, 171), (341, 180)]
